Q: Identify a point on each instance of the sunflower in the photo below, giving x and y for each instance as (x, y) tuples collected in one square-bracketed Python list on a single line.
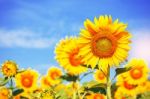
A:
[(120, 95), (9, 68), (96, 96), (100, 76), (27, 80), (138, 73), (45, 82), (4, 93), (53, 75), (104, 42), (67, 56), (125, 87)]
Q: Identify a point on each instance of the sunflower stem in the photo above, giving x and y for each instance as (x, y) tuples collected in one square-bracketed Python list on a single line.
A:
[(108, 90)]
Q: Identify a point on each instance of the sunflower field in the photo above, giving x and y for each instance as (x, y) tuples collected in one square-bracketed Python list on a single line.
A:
[(101, 47)]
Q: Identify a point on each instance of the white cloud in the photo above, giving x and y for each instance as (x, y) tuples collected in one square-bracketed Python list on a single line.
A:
[(24, 39), (141, 44)]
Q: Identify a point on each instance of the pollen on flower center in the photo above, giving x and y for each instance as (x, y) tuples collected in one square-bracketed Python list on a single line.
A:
[(27, 82), (103, 45), (136, 73), (74, 59)]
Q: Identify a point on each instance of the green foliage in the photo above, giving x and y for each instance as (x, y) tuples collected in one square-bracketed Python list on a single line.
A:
[(122, 70), (4, 81), (17, 92), (94, 86), (69, 77)]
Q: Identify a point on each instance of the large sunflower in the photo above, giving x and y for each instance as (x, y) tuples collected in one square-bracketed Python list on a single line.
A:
[(138, 73), (67, 55), (104, 42), (27, 80)]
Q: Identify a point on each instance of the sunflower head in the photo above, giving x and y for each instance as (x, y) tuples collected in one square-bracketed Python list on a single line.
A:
[(53, 75), (125, 87), (100, 76), (67, 55), (27, 80), (9, 68), (104, 42), (138, 72), (4, 93), (45, 82)]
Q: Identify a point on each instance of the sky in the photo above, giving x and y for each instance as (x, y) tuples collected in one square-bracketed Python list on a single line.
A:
[(30, 29)]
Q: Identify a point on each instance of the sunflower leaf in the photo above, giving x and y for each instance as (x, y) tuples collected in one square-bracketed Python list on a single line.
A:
[(3, 81), (122, 70), (17, 92), (69, 77)]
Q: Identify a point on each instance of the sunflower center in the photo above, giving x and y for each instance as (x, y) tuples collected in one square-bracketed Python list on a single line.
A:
[(103, 45), (101, 76), (98, 96), (74, 59), (136, 73), (54, 75), (27, 82), (128, 86), (46, 82)]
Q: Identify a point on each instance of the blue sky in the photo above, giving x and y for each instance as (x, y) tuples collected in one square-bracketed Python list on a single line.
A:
[(30, 29)]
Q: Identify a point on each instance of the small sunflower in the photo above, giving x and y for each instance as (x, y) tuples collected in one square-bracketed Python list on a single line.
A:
[(4, 93), (121, 95), (67, 56), (104, 42), (27, 80), (45, 82), (100, 76), (138, 73), (9, 68), (96, 96), (125, 87), (53, 75)]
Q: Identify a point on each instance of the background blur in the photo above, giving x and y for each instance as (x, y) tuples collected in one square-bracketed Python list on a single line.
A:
[(30, 29)]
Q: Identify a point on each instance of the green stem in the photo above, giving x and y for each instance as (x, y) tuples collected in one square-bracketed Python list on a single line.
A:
[(108, 84)]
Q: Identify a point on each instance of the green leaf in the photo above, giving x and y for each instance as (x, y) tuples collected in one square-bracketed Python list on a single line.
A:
[(17, 92), (94, 86), (122, 70), (69, 77), (61, 94), (4, 81)]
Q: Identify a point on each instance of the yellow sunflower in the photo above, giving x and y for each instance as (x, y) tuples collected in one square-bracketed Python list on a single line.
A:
[(104, 42), (100, 76), (67, 56), (9, 68), (96, 96), (138, 73), (4, 93), (27, 80), (53, 75), (45, 82), (120, 95), (125, 87)]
